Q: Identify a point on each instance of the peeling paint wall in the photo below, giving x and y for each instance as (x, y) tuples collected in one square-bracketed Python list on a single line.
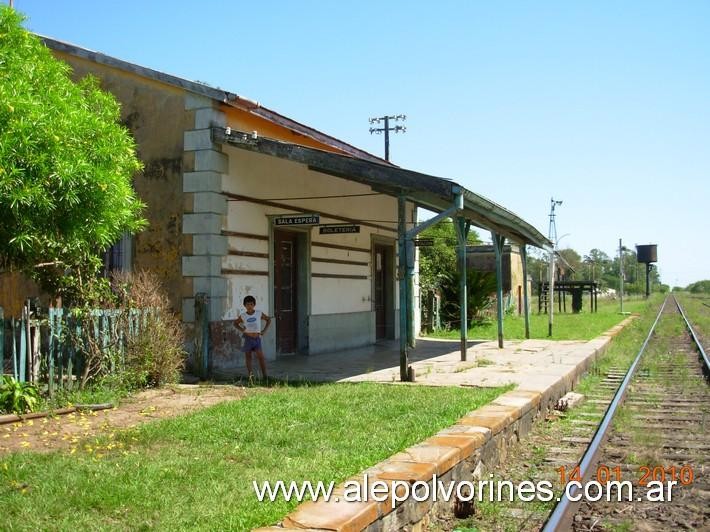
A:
[(340, 310), (155, 114)]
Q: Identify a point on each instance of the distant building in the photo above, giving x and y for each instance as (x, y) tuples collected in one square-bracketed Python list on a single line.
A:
[(482, 258)]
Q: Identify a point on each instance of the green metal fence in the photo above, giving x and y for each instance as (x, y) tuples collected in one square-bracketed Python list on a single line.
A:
[(50, 348)]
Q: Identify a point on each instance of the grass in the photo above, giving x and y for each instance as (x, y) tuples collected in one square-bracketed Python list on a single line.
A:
[(697, 310), (196, 471), (566, 325)]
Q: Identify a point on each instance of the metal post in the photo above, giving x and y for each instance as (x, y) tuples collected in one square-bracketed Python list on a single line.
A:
[(551, 293), (411, 340), (621, 276), (401, 270), (462, 229), (498, 241), (552, 235), (648, 280), (526, 307)]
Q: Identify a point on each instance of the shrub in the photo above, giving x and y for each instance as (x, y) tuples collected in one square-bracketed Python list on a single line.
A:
[(154, 356), (17, 397)]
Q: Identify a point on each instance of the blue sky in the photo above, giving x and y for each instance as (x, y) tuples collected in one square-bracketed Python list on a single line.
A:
[(603, 104)]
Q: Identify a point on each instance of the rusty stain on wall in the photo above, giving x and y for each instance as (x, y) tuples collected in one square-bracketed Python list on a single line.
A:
[(225, 344)]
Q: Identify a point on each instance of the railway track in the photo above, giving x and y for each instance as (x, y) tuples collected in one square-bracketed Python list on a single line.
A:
[(654, 439), (656, 431)]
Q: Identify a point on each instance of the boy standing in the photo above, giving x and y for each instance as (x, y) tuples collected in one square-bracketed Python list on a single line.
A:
[(249, 323)]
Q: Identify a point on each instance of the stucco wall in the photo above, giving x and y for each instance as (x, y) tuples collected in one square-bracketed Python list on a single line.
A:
[(340, 310), (155, 114)]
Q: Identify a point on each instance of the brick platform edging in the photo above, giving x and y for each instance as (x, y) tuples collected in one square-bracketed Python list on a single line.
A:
[(464, 451)]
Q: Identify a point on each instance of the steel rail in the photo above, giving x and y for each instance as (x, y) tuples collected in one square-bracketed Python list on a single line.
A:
[(694, 336), (563, 514)]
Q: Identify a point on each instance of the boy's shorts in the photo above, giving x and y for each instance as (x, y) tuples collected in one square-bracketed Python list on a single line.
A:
[(251, 343)]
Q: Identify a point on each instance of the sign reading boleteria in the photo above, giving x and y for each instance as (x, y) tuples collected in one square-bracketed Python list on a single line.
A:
[(338, 229), (298, 219)]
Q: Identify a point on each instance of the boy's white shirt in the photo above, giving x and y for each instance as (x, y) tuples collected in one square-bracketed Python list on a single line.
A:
[(251, 322)]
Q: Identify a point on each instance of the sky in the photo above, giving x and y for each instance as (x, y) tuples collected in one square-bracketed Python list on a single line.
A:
[(604, 105)]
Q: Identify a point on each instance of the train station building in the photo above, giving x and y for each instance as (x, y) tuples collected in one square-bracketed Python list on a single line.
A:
[(242, 200)]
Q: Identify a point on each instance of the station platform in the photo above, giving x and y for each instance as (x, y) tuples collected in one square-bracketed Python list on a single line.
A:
[(542, 370), (535, 365)]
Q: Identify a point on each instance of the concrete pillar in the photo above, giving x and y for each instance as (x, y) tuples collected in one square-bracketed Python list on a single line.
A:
[(205, 209)]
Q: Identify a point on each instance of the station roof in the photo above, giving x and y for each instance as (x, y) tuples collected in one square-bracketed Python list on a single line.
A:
[(431, 192)]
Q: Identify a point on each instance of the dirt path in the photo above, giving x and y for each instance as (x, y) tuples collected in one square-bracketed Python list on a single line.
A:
[(65, 432)]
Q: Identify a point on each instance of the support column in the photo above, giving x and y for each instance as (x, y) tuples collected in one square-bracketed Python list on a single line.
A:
[(402, 276), (204, 246), (498, 242), (526, 307), (551, 293), (411, 340), (462, 228)]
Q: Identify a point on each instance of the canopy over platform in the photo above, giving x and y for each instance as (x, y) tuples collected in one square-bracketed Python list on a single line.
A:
[(434, 193), (437, 194)]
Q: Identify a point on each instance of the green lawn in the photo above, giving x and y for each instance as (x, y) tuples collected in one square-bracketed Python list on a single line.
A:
[(566, 325), (196, 471)]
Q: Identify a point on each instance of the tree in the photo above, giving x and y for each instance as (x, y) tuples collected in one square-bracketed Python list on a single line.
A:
[(596, 264), (439, 272), (439, 261), (66, 165), (699, 287), (570, 260)]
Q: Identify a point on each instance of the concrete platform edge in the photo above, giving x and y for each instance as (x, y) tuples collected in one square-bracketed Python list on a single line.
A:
[(467, 450)]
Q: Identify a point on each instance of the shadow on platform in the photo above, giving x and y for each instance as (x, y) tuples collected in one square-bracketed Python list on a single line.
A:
[(348, 363)]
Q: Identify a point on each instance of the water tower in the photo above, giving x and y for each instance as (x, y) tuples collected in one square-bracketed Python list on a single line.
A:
[(646, 254)]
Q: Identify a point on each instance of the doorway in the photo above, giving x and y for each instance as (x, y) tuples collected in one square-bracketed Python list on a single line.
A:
[(286, 263), (383, 290)]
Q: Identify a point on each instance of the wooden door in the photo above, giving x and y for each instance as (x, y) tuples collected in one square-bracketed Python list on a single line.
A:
[(285, 283), (381, 269)]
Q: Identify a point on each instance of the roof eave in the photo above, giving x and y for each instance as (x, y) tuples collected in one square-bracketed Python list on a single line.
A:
[(228, 98), (431, 192)]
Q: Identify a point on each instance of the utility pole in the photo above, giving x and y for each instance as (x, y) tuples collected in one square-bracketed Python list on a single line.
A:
[(621, 275), (552, 236), (386, 130)]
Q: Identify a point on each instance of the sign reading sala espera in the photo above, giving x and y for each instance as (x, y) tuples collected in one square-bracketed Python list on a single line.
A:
[(298, 219), (339, 229)]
